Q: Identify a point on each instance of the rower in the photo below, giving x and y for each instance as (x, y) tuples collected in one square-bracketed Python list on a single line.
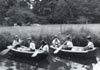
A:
[(17, 42), (31, 44), (68, 44), (90, 44), (44, 47), (56, 42)]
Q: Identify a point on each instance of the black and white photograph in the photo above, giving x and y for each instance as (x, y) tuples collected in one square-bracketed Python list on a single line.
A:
[(49, 34)]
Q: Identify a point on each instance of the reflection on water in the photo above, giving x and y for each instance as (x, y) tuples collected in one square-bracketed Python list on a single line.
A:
[(53, 63)]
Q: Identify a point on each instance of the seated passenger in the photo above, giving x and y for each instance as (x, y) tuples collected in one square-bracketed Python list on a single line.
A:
[(17, 42), (68, 44), (90, 44), (44, 47), (56, 42), (31, 44)]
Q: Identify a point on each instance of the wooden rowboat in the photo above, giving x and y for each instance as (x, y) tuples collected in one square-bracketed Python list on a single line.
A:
[(27, 54), (75, 52)]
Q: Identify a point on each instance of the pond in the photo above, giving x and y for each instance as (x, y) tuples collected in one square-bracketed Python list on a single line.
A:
[(51, 63)]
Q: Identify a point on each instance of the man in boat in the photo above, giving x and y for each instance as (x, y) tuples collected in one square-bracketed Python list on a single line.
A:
[(68, 44), (90, 44), (56, 42), (31, 44), (17, 42), (44, 47)]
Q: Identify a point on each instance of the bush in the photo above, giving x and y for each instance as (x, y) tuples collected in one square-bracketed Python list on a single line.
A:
[(5, 40), (79, 36)]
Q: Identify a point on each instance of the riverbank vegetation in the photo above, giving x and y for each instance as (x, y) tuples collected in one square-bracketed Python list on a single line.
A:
[(47, 32), (26, 12)]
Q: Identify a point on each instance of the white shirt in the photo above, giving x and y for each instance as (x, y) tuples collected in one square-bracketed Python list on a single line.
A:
[(16, 42), (90, 45), (56, 42), (69, 44), (45, 48), (32, 46)]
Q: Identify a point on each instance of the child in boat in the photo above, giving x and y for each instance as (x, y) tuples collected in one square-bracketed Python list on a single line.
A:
[(44, 47), (17, 42), (68, 44), (56, 42), (90, 44), (31, 44)]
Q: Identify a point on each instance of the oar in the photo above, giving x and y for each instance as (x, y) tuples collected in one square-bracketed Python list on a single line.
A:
[(58, 49), (5, 51), (36, 52)]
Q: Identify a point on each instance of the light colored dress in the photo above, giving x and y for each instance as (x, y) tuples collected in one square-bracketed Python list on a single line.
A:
[(32, 46), (69, 44), (16, 42), (90, 45), (45, 48), (56, 42)]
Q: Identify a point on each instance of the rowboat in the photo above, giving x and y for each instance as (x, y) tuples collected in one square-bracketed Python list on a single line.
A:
[(26, 54), (76, 51)]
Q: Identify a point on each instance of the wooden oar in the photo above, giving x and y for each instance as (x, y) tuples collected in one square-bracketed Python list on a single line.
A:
[(5, 51), (58, 49), (36, 52)]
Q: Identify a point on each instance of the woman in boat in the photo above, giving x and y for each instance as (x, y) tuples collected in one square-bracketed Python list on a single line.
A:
[(31, 44), (68, 44), (44, 46), (56, 42), (90, 44), (17, 42)]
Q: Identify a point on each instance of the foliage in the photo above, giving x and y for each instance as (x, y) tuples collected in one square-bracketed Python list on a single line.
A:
[(49, 11), (79, 36)]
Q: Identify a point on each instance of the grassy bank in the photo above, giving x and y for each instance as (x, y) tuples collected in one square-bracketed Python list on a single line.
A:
[(47, 32)]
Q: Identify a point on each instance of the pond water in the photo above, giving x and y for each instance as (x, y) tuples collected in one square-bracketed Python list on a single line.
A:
[(51, 63)]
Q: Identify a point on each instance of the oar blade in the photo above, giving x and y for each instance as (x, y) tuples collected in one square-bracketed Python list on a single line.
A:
[(57, 50), (35, 53), (4, 52)]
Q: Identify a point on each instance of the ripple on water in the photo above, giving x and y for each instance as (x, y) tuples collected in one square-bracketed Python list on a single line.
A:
[(55, 63)]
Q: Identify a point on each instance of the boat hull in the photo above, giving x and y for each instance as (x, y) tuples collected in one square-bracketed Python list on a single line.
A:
[(27, 55), (77, 54)]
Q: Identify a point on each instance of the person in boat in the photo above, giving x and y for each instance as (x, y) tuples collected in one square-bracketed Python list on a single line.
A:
[(68, 44), (56, 42), (44, 46), (90, 44), (31, 44), (16, 42)]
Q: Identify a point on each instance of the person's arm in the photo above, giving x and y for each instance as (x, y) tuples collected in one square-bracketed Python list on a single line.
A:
[(20, 41), (14, 43), (47, 48), (53, 42), (59, 42), (87, 46)]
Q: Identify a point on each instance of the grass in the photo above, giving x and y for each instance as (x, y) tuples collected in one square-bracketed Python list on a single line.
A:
[(79, 33)]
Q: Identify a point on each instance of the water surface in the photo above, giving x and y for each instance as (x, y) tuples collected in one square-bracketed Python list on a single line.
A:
[(51, 63)]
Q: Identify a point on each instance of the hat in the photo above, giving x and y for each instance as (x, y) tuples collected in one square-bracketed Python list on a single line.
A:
[(43, 42), (68, 36), (55, 35), (16, 35), (89, 37)]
